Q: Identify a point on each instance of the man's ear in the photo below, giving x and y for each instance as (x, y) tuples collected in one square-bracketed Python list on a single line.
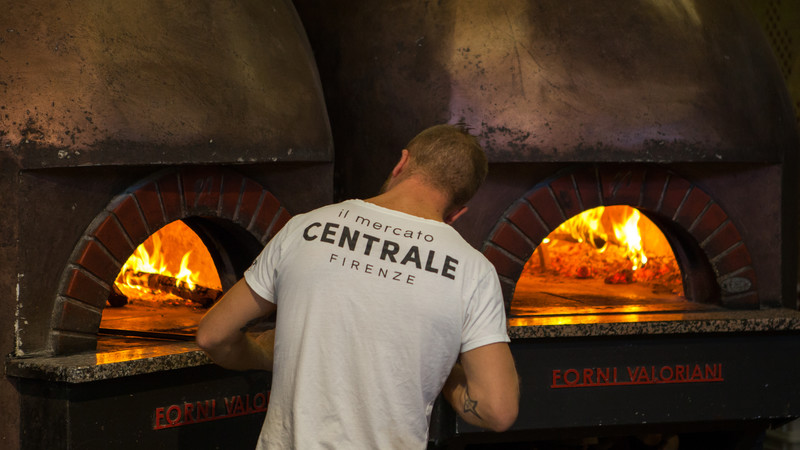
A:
[(455, 214), (401, 165)]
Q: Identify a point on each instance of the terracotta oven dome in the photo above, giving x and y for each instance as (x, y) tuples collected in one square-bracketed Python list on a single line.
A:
[(675, 108), (118, 118)]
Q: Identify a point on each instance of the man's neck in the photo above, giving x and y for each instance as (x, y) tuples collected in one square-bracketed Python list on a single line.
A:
[(414, 197)]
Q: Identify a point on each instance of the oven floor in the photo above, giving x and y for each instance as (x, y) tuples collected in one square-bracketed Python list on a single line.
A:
[(593, 297), (144, 317)]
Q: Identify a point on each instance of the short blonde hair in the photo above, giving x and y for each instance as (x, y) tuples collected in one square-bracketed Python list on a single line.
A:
[(451, 159)]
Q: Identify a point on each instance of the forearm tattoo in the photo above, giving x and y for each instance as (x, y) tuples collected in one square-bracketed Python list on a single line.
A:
[(470, 405)]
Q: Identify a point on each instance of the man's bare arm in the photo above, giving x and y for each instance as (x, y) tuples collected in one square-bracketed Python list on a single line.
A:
[(222, 334), (484, 388)]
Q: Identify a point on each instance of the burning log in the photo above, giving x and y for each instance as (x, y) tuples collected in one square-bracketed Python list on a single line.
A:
[(201, 295), (595, 241), (117, 298)]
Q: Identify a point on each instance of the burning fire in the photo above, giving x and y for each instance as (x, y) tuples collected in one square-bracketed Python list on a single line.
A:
[(616, 243), (172, 265), (622, 230)]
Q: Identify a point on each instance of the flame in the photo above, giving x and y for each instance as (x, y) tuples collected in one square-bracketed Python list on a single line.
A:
[(606, 264), (586, 227), (627, 234), (175, 260), (601, 226)]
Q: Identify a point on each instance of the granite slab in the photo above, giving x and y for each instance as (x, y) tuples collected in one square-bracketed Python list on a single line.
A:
[(122, 357), (654, 323), (112, 360)]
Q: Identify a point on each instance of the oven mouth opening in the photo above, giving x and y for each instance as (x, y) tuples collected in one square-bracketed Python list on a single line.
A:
[(172, 278), (613, 264)]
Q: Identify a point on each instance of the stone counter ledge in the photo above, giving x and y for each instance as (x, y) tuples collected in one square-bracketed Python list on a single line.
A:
[(127, 360), (635, 324), (109, 364)]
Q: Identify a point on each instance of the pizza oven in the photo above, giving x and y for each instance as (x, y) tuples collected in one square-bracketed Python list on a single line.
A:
[(149, 151), (658, 132), (640, 209)]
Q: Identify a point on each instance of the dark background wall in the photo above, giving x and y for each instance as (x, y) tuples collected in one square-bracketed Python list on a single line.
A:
[(780, 20)]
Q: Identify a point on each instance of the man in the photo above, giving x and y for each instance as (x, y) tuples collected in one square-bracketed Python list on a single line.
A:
[(378, 301)]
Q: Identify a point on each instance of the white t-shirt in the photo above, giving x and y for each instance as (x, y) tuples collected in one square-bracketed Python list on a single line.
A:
[(373, 308)]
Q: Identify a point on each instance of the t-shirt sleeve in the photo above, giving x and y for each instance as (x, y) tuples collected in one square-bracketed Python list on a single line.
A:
[(485, 315), (261, 275)]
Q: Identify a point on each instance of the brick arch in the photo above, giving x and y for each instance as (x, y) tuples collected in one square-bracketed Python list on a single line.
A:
[(130, 218), (653, 190)]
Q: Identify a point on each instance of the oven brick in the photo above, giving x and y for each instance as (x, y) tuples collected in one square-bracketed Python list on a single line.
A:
[(251, 194), (65, 344), (510, 239), (267, 212), (587, 184), (280, 221), (76, 317), (653, 189), (82, 287), (113, 238), (674, 195), (201, 190), (712, 219), (548, 209), (171, 198), (621, 187), (505, 265), (283, 217), (691, 209), (232, 184), (567, 196), (525, 219), (94, 259), (737, 259), (150, 203), (725, 238), (131, 219)]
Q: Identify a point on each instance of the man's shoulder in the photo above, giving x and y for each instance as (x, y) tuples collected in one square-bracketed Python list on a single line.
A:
[(319, 211)]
